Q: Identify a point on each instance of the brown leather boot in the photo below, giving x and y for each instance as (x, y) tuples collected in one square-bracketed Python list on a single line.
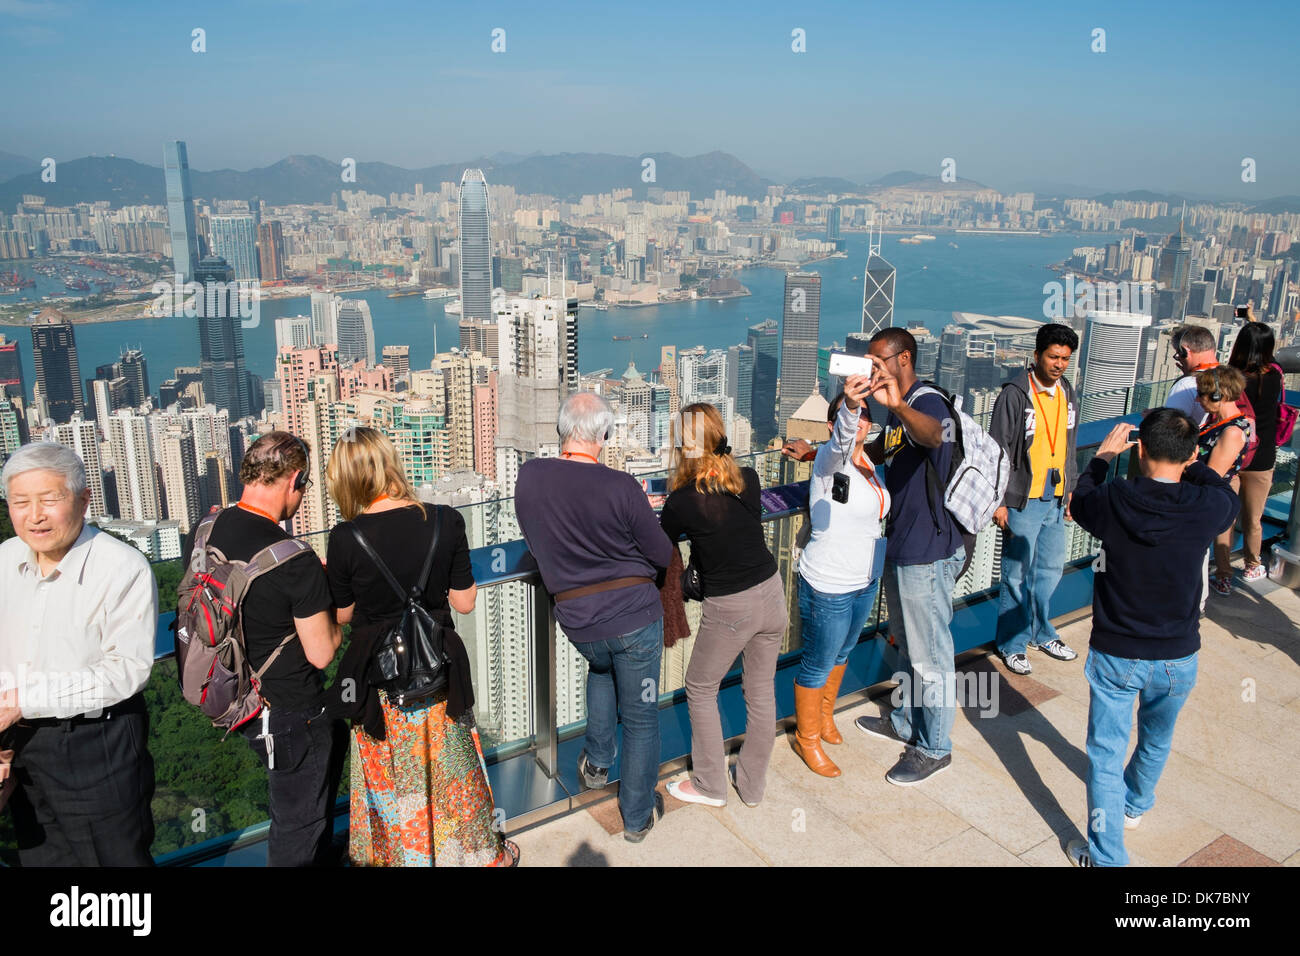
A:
[(830, 693), (807, 735)]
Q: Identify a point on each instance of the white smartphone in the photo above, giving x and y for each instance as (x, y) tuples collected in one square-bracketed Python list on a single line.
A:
[(843, 364)]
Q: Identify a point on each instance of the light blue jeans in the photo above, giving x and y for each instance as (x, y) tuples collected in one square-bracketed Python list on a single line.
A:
[(1033, 556), (832, 625), (919, 600), (1161, 689)]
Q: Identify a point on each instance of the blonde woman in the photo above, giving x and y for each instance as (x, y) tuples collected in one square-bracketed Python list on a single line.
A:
[(715, 503), (420, 795)]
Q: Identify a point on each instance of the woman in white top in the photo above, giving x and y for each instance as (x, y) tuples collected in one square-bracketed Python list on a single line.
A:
[(838, 570)]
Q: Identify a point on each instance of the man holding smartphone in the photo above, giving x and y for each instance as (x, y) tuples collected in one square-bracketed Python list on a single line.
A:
[(1035, 419)]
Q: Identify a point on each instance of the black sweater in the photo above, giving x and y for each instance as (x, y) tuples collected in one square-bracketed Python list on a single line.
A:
[(1146, 594), (726, 535)]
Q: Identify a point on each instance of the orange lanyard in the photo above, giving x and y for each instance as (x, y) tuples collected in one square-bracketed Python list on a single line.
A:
[(377, 500), (257, 511), (1221, 422), (580, 454), (1051, 435), (865, 467)]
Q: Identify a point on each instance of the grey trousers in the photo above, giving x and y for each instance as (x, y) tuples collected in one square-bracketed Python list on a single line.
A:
[(750, 624)]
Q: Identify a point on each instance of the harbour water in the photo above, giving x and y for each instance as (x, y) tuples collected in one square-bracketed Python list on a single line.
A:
[(995, 275)]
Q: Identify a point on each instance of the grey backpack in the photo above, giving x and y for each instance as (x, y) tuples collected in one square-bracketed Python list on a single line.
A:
[(211, 657)]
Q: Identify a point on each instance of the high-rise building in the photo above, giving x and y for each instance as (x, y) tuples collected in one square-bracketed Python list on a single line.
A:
[(133, 367), (11, 370), (461, 372), (270, 250), (294, 332), (475, 247), (832, 223), (221, 341), (398, 358), (180, 210), (668, 377), (479, 336), (356, 332), (740, 379), (180, 478), (485, 427), (531, 383), (764, 342), (952, 360), (702, 376), (235, 239), (877, 289), (133, 466), (83, 437), (1175, 263), (107, 395), (54, 351), (324, 315), (11, 438), (800, 328), (1111, 352)]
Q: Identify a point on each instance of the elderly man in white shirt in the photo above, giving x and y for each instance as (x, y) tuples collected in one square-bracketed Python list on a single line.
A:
[(78, 614)]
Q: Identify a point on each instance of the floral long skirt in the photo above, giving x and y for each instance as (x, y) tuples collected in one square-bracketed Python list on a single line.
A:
[(421, 796)]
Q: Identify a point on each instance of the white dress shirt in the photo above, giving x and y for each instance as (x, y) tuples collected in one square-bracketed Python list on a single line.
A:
[(80, 639)]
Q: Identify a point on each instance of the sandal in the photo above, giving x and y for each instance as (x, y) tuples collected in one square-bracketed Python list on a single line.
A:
[(512, 848)]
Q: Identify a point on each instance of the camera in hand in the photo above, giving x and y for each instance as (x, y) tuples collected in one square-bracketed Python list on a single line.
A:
[(840, 488)]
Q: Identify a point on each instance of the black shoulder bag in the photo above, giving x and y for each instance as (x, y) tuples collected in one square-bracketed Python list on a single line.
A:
[(409, 663)]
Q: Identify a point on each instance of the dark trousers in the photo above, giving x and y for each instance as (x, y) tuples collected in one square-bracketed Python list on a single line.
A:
[(84, 792), (302, 786)]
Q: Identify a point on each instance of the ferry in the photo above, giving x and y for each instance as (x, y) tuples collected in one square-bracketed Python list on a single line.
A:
[(910, 242), (598, 306), (923, 237), (439, 293), (452, 308), (629, 338), (403, 293)]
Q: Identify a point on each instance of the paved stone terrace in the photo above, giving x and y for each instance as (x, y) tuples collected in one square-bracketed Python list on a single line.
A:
[(1014, 795)]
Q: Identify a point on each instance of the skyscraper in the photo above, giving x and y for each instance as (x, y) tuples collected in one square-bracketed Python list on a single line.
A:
[(1175, 262), (355, 331), (83, 437), (11, 371), (221, 342), (324, 313), (294, 332), (952, 360), (1111, 351), (270, 250), (877, 289), (133, 367), (235, 240), (475, 247), (833, 223), (398, 358), (180, 477), (764, 342), (133, 466), (799, 331), (54, 351), (180, 210), (740, 379), (668, 377)]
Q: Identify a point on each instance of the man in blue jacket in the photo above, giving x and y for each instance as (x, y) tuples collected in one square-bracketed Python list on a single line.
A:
[(1154, 533)]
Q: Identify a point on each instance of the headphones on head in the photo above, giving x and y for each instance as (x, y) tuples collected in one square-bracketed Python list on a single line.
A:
[(1180, 353), (1217, 396), (300, 482)]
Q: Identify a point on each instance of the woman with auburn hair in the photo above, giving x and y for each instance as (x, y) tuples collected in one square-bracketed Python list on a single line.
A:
[(715, 503), (420, 795), (1223, 439)]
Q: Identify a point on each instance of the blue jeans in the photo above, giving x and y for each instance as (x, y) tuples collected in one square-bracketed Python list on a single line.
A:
[(832, 624), (919, 600), (1033, 556), (1161, 688), (623, 680)]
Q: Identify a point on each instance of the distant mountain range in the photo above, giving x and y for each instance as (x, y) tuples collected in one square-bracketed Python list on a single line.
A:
[(567, 176)]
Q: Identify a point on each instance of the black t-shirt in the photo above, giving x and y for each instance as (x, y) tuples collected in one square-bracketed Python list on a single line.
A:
[(726, 535), (1264, 391), (295, 589), (401, 537)]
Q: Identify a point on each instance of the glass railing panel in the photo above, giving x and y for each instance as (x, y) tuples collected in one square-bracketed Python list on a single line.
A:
[(498, 636)]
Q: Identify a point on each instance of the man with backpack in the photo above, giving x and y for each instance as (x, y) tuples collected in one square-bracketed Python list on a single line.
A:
[(924, 556), (1036, 418), (289, 635)]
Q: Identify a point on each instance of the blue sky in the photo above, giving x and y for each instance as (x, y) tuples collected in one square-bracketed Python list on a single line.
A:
[(1012, 91)]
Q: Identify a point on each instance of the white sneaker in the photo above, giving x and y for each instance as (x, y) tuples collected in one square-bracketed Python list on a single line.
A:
[(1017, 663), (1131, 823), (676, 790)]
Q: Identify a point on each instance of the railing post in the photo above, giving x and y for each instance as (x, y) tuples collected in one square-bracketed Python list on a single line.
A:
[(544, 723)]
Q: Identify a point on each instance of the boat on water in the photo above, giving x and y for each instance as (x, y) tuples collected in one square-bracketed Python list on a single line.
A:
[(452, 308), (629, 338), (857, 278), (439, 293), (909, 242), (953, 245), (923, 237), (598, 306), (403, 293), (75, 284)]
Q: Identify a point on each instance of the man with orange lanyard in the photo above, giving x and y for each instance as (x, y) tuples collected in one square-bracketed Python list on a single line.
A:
[(1195, 350), (301, 748), (1035, 419)]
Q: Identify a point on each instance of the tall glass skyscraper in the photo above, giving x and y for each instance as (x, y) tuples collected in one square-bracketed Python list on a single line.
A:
[(877, 290), (180, 210), (54, 350), (800, 327), (356, 332), (475, 247), (764, 341), (221, 343), (234, 238)]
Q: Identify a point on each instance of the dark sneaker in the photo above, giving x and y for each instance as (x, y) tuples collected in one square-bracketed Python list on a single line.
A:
[(1078, 853), (636, 836), (1057, 648), (914, 766), (1017, 663), (595, 778), (881, 727)]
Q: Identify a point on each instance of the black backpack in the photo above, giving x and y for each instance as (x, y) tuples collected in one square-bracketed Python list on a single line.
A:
[(409, 662)]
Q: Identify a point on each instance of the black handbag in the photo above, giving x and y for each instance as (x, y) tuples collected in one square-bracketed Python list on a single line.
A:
[(409, 662)]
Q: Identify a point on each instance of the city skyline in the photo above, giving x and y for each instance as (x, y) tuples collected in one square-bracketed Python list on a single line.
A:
[(1004, 89)]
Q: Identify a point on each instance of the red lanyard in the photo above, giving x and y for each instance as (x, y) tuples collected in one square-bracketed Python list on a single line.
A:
[(870, 473), (580, 454), (1051, 435), (257, 511)]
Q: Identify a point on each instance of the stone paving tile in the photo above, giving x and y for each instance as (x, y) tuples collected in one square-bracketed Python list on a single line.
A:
[(1051, 852), (1249, 760), (1017, 693), (1225, 851), (607, 814), (1168, 836), (1292, 860), (970, 848)]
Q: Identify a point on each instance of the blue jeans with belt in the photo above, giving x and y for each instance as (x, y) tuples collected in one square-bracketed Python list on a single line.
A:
[(832, 624), (623, 679), (1116, 790)]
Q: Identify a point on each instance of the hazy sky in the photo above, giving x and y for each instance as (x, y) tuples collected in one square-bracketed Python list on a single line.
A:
[(1012, 91)]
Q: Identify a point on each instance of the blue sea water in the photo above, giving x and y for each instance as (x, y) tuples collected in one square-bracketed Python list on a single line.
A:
[(996, 275)]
